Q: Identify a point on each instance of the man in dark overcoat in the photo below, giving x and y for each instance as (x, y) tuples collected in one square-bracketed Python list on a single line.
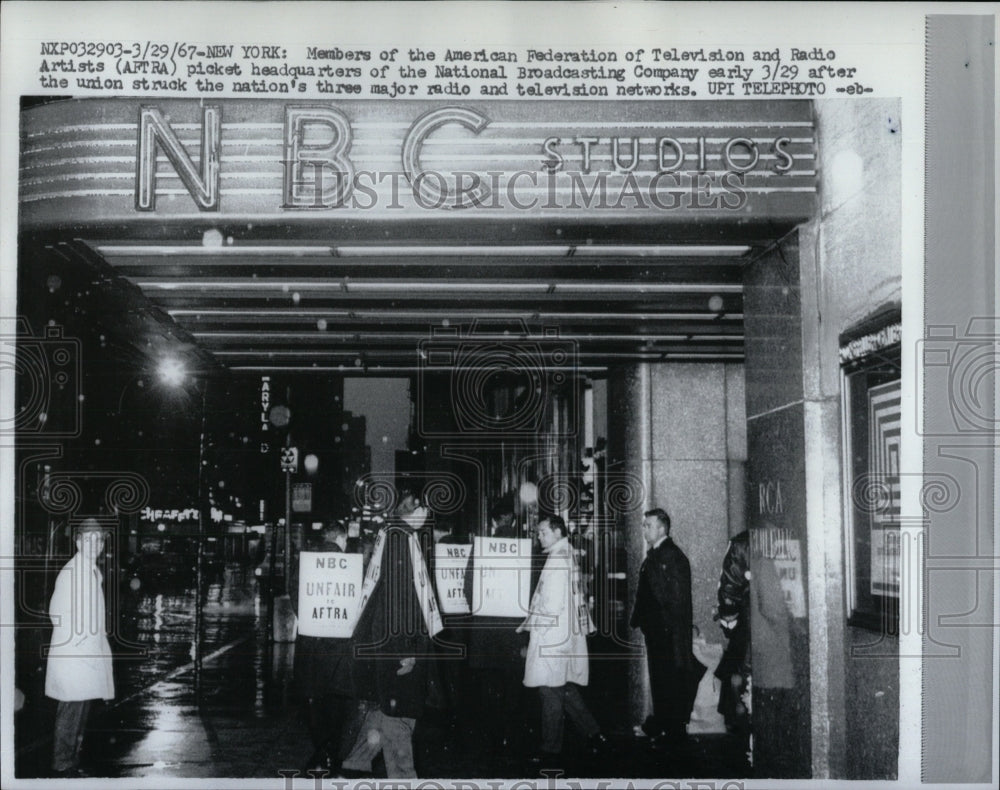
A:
[(663, 614), (733, 614), (495, 652), (392, 645), (323, 669)]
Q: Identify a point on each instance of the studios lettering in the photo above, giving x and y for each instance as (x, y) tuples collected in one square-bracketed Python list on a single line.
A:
[(326, 162)]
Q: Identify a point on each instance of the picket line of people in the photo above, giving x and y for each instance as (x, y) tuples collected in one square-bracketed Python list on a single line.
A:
[(401, 657), (393, 667), (364, 693)]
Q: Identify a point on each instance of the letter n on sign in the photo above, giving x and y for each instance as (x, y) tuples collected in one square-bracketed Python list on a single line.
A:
[(155, 132)]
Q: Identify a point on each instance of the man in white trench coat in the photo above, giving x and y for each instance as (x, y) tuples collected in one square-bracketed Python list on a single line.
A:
[(79, 659), (556, 661)]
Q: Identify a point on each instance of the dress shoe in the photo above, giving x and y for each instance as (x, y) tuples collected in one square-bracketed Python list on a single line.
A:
[(669, 744), (545, 759), (651, 727), (658, 744), (598, 744), (319, 762), (348, 773), (69, 773)]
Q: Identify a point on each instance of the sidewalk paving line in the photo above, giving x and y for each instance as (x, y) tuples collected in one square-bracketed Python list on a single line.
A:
[(181, 670), (174, 673)]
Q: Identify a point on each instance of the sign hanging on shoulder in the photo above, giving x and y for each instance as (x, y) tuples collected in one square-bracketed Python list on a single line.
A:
[(501, 583), (329, 593), (451, 565)]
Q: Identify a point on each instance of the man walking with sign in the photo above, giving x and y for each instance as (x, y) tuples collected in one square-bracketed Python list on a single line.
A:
[(495, 644), (323, 663), (392, 644)]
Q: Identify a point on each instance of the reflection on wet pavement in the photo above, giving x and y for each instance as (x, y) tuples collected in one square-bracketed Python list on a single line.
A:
[(241, 719), (158, 724)]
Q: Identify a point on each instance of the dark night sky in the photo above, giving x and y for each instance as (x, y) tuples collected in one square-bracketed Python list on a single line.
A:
[(386, 405)]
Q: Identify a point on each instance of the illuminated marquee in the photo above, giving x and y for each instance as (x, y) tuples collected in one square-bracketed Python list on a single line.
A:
[(278, 160), (181, 516)]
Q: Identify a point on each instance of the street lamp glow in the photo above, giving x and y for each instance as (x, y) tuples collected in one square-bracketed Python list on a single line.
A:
[(528, 493), (171, 371)]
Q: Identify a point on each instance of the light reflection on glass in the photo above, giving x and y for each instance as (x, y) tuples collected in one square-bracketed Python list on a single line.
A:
[(157, 618), (258, 676)]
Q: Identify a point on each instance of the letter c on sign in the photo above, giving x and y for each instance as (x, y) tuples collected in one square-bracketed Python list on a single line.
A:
[(430, 189)]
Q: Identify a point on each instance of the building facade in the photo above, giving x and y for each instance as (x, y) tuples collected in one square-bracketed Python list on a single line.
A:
[(711, 288)]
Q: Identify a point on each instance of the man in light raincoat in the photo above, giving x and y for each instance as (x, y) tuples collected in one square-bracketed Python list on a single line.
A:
[(556, 662), (79, 658)]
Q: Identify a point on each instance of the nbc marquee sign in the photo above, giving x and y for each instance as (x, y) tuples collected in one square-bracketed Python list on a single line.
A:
[(99, 161)]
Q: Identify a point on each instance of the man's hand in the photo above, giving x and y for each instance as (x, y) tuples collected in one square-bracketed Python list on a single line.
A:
[(406, 665)]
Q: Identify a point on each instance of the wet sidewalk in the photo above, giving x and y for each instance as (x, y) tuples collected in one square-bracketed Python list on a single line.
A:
[(243, 725), (239, 717), (234, 718)]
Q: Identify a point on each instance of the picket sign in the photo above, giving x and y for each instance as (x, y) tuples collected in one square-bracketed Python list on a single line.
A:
[(451, 564), (421, 581), (329, 593), (501, 583)]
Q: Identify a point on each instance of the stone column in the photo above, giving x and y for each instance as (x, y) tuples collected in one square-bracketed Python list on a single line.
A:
[(777, 513), (630, 451)]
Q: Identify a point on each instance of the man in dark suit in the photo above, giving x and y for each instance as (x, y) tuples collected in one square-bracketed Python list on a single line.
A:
[(663, 613), (495, 657), (323, 669), (392, 645)]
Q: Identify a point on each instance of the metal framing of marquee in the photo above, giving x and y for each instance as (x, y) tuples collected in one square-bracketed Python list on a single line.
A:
[(220, 217)]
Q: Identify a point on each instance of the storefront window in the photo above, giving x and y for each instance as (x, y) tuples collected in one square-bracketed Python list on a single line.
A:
[(871, 410)]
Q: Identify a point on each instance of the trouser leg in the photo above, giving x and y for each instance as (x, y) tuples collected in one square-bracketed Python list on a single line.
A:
[(661, 687), (317, 717), (397, 747), (340, 711), (578, 712), (451, 666), (71, 721), (368, 742), (354, 715), (510, 708), (552, 718), (330, 718)]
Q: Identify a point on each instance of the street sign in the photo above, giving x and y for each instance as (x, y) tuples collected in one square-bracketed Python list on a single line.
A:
[(289, 459), (302, 497)]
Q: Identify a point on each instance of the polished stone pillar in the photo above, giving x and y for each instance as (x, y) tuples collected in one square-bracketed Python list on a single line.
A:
[(777, 513), (630, 452)]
